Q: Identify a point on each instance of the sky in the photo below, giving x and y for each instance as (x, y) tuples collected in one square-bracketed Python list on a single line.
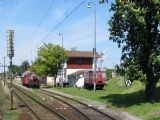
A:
[(40, 21)]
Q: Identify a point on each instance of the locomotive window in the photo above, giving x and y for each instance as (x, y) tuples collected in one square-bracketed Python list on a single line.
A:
[(86, 74), (90, 74)]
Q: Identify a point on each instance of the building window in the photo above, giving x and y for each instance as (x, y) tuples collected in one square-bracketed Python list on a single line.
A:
[(79, 62)]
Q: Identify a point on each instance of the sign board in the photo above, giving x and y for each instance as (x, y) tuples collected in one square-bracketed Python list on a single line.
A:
[(128, 83)]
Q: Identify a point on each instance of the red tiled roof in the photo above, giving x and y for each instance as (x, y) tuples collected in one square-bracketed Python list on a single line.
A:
[(82, 54)]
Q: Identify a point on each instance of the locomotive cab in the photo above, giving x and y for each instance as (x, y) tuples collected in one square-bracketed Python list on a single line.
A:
[(30, 79)]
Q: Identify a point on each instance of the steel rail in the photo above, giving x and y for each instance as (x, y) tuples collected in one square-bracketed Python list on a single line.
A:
[(43, 105), (30, 108), (81, 104), (46, 93)]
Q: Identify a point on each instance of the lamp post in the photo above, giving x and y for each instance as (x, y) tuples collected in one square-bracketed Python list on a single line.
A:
[(90, 4), (61, 36)]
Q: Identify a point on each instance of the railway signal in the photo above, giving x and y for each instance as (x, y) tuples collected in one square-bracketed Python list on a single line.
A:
[(10, 54)]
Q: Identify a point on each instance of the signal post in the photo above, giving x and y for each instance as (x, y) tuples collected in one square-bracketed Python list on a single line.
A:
[(10, 54)]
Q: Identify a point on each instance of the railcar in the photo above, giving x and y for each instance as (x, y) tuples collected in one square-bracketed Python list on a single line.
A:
[(89, 79), (30, 79)]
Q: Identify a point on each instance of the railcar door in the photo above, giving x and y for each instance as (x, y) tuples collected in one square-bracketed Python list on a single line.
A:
[(99, 78)]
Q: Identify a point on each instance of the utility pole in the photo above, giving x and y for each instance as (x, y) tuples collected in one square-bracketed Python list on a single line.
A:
[(10, 54), (4, 72)]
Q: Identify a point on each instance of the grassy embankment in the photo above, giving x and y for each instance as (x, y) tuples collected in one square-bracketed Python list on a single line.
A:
[(116, 95), (5, 106)]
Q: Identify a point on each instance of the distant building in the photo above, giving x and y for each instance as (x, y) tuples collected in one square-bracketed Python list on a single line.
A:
[(77, 62)]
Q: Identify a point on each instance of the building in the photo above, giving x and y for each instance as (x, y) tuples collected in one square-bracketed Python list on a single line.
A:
[(77, 62)]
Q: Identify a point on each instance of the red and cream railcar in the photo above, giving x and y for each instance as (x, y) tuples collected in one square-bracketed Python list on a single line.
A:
[(89, 79), (30, 79)]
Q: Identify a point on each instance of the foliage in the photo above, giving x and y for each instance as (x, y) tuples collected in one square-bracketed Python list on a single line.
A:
[(102, 1), (120, 70), (135, 27), (25, 66), (15, 69), (109, 72), (49, 59), (38, 68)]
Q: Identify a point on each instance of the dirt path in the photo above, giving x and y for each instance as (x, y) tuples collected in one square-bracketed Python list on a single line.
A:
[(5, 89), (1, 101), (22, 112)]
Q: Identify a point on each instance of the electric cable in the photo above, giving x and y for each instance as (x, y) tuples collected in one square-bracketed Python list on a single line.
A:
[(42, 19), (61, 22)]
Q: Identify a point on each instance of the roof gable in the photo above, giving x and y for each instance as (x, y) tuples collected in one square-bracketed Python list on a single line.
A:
[(82, 54)]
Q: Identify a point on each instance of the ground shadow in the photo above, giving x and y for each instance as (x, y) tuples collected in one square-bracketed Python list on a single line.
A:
[(126, 100)]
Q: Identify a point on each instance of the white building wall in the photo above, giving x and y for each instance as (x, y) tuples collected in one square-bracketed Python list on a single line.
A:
[(50, 80), (70, 71)]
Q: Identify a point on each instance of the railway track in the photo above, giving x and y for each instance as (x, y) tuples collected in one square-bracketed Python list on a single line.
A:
[(91, 112), (39, 109), (74, 107), (28, 106), (63, 108)]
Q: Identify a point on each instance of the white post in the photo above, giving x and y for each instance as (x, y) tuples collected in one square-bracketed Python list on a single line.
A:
[(94, 49)]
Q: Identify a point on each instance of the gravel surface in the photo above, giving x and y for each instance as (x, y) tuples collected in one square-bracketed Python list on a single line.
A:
[(118, 114)]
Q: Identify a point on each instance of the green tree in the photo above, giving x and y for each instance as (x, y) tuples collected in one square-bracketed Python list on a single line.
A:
[(49, 59), (109, 72), (102, 1), (38, 68), (135, 26), (25, 66), (15, 69)]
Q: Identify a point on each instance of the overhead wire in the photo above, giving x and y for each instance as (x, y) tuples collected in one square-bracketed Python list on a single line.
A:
[(60, 23), (42, 19)]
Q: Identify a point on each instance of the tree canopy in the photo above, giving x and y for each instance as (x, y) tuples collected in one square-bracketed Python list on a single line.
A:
[(49, 59), (25, 65), (135, 27), (15, 69)]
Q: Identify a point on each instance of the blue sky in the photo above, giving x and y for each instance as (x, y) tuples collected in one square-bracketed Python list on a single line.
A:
[(23, 16)]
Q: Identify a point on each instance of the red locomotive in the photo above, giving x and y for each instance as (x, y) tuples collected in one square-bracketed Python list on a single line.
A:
[(30, 79), (89, 79)]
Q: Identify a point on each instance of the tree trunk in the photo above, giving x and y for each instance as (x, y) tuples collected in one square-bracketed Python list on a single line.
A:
[(55, 81), (150, 91), (45, 80)]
